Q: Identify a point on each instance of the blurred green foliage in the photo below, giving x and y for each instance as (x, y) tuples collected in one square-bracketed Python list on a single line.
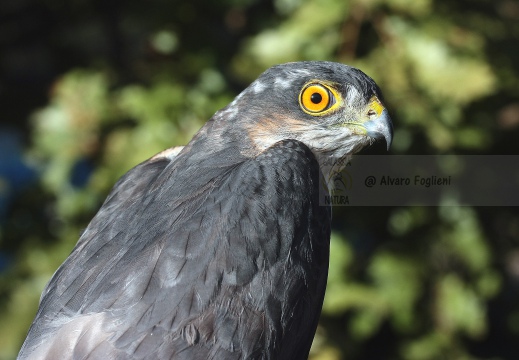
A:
[(410, 283)]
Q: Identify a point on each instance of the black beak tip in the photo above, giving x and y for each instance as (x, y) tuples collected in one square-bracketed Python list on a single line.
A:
[(381, 128)]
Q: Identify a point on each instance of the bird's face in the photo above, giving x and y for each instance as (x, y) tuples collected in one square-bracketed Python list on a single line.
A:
[(334, 109)]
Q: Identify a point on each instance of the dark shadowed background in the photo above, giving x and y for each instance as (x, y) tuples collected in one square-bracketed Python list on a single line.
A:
[(88, 89)]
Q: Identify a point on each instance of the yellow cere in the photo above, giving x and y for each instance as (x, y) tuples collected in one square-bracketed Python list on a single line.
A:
[(319, 98), (376, 105)]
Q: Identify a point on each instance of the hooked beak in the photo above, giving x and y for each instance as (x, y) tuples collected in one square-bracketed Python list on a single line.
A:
[(380, 128)]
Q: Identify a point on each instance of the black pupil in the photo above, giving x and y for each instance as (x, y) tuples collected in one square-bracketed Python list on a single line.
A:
[(316, 98)]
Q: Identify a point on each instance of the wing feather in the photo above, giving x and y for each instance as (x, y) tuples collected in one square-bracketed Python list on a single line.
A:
[(195, 260)]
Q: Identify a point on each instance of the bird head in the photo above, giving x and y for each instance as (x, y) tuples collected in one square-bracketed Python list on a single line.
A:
[(334, 109)]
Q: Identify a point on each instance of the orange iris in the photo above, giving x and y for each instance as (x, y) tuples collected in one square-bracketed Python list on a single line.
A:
[(315, 98)]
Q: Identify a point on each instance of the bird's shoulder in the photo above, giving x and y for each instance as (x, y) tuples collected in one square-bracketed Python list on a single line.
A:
[(175, 238), (182, 210)]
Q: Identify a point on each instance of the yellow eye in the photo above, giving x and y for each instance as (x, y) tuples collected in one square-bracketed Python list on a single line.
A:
[(316, 98)]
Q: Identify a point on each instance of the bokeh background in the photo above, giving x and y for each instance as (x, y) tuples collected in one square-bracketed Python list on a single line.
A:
[(90, 88)]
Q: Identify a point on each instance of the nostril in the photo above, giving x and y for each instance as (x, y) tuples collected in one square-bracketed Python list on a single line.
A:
[(371, 112)]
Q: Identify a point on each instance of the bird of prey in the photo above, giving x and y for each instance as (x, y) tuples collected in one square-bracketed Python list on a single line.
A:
[(219, 249)]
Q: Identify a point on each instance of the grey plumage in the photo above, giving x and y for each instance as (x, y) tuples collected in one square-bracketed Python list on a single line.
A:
[(217, 252)]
